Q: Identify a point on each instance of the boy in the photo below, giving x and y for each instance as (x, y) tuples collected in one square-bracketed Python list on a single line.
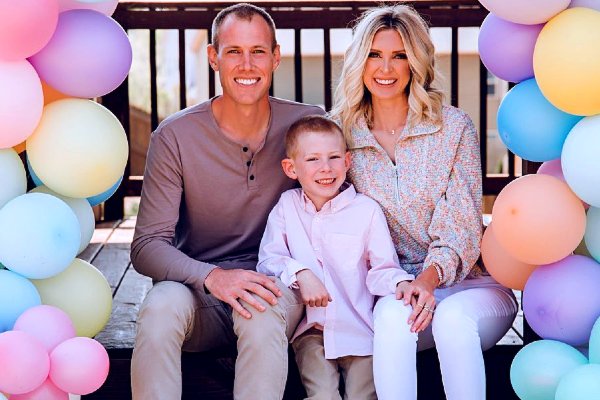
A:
[(327, 241)]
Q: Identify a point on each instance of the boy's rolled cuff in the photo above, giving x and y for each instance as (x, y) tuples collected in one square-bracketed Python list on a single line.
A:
[(288, 276), (398, 277)]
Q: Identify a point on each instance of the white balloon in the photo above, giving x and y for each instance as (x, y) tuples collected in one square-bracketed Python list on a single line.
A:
[(13, 180), (83, 211), (527, 12), (580, 160)]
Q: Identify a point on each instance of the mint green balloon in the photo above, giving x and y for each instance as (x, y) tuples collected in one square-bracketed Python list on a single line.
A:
[(592, 232), (538, 367), (594, 349), (583, 383)]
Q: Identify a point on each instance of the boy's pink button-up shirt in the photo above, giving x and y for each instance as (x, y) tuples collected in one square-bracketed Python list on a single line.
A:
[(348, 246)]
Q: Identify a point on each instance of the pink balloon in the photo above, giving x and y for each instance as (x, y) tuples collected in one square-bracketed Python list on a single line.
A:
[(106, 7), (24, 362), (554, 168), (46, 391), (50, 325), (79, 365), (25, 27), (21, 102), (88, 56)]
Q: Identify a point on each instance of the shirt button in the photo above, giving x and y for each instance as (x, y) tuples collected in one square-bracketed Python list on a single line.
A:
[(316, 249), (251, 177), (244, 149)]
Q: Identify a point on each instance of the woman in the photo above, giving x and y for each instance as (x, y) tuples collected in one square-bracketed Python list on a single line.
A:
[(420, 160)]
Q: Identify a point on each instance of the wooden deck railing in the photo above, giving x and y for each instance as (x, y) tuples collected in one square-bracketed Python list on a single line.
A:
[(296, 15)]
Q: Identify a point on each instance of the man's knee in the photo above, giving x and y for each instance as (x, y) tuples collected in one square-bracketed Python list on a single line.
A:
[(167, 309)]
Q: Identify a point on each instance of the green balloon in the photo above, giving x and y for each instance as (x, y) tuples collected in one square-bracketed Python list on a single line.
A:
[(581, 383), (538, 367)]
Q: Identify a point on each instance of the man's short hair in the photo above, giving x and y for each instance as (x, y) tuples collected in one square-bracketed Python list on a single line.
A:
[(245, 12), (310, 124)]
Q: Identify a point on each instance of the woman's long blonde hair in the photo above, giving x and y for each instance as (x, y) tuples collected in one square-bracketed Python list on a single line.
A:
[(352, 99)]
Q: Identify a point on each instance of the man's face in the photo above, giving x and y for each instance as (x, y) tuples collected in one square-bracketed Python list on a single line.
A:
[(245, 59)]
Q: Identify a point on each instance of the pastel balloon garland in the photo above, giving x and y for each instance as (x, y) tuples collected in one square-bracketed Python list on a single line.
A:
[(76, 152), (549, 48)]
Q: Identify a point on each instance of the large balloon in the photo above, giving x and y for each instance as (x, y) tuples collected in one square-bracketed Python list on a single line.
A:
[(39, 235), (530, 126), (88, 56), (50, 325), (571, 82), (525, 12), (106, 7), (592, 233), (51, 94), (13, 180), (17, 294), (79, 149), (82, 210), (580, 160), (538, 219), (538, 368), (506, 48), (502, 266), (102, 197), (24, 362), (595, 4), (25, 27), (83, 293), (581, 383), (21, 102), (552, 316), (79, 365)]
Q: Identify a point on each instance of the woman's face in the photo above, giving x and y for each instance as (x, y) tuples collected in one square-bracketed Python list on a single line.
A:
[(387, 72)]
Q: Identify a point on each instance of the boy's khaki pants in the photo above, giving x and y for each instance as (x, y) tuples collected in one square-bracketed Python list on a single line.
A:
[(321, 377), (173, 317)]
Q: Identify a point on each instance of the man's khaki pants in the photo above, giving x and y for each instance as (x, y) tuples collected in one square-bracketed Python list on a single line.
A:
[(174, 318), (321, 377)]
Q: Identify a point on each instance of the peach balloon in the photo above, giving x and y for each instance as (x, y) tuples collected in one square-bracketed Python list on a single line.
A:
[(51, 94), (507, 270), (538, 219)]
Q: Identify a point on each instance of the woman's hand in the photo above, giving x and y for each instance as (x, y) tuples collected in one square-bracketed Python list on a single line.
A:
[(419, 294)]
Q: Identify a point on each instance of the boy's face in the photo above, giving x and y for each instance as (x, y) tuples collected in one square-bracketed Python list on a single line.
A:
[(320, 164)]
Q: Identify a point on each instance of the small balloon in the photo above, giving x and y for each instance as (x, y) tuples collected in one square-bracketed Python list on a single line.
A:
[(17, 294), (24, 362), (46, 391), (592, 233), (50, 325), (581, 383), (13, 180)]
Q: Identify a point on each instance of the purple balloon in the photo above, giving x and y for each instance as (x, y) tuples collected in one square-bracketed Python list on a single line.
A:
[(561, 301), (506, 48), (88, 56)]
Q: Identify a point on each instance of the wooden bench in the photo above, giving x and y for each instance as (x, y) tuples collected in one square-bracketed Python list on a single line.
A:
[(209, 375)]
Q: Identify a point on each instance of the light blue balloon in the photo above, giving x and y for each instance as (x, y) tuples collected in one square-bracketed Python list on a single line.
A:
[(530, 126), (580, 160), (583, 383), (37, 181), (102, 197), (17, 294), (592, 232), (538, 367), (39, 235)]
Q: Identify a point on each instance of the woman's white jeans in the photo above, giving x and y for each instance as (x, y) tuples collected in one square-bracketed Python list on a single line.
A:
[(470, 317)]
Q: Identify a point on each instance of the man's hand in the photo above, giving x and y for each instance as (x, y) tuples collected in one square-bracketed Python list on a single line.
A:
[(232, 285), (312, 290)]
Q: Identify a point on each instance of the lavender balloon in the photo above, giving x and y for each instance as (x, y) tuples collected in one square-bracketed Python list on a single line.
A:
[(561, 301), (88, 56), (506, 48)]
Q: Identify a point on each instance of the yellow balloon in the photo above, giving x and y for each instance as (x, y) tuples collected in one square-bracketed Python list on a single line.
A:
[(79, 148), (566, 61), (82, 292)]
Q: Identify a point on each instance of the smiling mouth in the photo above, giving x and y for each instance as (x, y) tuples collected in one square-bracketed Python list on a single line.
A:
[(246, 81), (328, 181), (385, 82)]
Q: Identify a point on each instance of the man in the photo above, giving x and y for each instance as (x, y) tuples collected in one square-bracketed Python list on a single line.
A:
[(212, 176)]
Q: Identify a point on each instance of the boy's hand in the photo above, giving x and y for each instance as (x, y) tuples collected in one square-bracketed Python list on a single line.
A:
[(312, 290)]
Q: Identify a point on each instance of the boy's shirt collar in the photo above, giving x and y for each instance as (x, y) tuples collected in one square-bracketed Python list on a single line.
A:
[(345, 197)]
